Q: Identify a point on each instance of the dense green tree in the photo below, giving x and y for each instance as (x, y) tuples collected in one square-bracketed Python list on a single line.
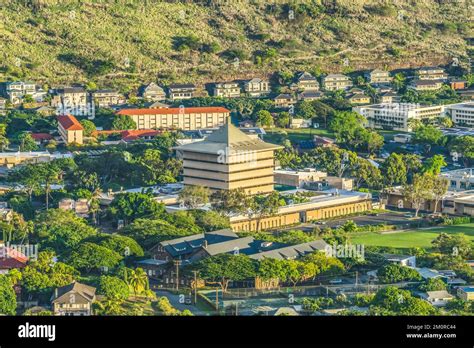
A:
[(223, 268), (113, 288), (453, 245), (122, 245), (90, 256), (123, 122), (7, 296), (394, 170), (433, 284), (89, 127), (393, 273), (464, 147), (428, 136), (149, 232), (61, 230), (264, 118), (131, 206), (282, 119), (26, 141), (434, 164), (40, 276)]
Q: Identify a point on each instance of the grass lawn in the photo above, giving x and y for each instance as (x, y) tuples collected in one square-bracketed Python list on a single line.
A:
[(295, 135), (410, 239)]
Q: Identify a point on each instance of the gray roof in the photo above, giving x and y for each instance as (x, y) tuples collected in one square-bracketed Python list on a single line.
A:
[(293, 251), (82, 293), (186, 245), (245, 245), (226, 139)]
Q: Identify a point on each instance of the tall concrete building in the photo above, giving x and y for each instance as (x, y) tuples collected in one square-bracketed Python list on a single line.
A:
[(229, 159)]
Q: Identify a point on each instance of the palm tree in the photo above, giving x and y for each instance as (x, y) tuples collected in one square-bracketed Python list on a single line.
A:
[(138, 281)]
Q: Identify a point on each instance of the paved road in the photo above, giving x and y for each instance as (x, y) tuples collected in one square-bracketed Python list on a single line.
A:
[(177, 301)]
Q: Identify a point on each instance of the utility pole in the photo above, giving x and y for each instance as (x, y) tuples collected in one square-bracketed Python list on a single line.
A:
[(357, 276), (217, 300), (177, 263), (195, 286)]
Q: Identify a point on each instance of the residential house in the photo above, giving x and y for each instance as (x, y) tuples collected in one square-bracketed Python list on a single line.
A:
[(226, 89), (334, 82), (74, 299), (310, 96), (466, 293), (457, 84), (257, 87), (41, 138), (378, 77), (431, 73), (15, 91), (300, 123), (11, 258), (107, 97), (306, 82), (437, 298), (181, 91), (388, 98), (402, 260), (467, 94), (72, 100), (284, 100), (323, 141), (152, 92), (358, 98), (425, 85), (80, 207), (70, 129), (156, 105)]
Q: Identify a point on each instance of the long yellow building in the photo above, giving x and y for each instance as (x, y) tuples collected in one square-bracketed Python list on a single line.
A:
[(229, 159)]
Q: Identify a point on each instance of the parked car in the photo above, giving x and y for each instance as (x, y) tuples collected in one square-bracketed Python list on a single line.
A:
[(335, 281)]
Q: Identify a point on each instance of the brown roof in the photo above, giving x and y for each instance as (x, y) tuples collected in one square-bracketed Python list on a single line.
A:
[(41, 136), (137, 133), (166, 111), (85, 293), (69, 122), (11, 258)]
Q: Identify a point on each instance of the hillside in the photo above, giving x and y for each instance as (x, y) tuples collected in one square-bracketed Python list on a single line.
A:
[(122, 43)]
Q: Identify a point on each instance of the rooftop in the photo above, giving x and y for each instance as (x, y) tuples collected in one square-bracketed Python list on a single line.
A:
[(69, 122), (228, 138), (176, 111)]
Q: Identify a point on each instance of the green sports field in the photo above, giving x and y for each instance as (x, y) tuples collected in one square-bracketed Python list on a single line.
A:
[(415, 238)]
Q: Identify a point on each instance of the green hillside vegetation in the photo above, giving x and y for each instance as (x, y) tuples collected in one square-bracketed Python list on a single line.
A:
[(121, 43)]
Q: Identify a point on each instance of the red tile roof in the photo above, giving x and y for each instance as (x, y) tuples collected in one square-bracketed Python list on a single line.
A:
[(135, 134), (167, 111), (41, 136), (69, 122), (11, 258)]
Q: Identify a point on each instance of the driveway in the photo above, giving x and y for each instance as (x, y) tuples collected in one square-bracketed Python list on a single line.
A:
[(177, 301)]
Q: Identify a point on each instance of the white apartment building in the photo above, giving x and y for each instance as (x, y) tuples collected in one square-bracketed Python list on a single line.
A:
[(462, 114), (396, 116)]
